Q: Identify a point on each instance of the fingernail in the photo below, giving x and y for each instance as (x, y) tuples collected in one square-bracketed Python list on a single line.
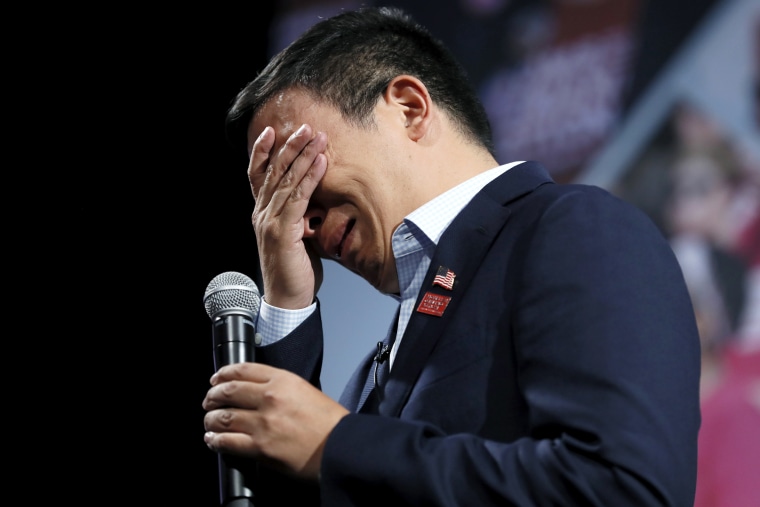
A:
[(301, 129), (207, 437), (263, 132), (213, 379)]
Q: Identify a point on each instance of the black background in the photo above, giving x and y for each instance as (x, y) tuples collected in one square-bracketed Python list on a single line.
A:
[(155, 203), (202, 209)]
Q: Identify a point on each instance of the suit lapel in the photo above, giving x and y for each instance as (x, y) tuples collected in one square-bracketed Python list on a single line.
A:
[(461, 249), (361, 383)]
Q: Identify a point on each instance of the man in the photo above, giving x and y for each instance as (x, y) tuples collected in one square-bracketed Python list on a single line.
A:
[(545, 350)]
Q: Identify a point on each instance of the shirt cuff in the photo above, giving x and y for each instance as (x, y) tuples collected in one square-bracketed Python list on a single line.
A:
[(274, 323)]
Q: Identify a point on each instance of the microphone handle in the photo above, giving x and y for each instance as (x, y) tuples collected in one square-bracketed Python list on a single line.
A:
[(233, 335), (233, 339)]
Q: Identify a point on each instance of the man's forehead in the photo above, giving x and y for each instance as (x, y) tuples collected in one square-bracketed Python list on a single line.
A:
[(285, 111), (278, 107)]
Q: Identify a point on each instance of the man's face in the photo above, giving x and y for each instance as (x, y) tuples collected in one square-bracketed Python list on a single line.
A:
[(364, 194)]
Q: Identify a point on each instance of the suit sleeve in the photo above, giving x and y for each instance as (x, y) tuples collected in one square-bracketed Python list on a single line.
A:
[(608, 357), (299, 352)]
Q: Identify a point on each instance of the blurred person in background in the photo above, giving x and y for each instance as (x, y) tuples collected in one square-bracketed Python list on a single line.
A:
[(712, 219)]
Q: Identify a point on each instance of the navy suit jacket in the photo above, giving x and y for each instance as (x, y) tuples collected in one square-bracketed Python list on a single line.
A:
[(564, 370)]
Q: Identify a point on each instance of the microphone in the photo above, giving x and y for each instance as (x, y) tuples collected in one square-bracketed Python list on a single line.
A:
[(232, 301)]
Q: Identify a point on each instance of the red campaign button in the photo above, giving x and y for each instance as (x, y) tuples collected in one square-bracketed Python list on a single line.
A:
[(433, 304)]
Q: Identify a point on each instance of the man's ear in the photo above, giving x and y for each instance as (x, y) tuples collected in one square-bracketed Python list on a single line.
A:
[(410, 96)]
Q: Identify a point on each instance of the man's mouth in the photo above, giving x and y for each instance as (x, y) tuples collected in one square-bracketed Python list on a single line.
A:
[(349, 228)]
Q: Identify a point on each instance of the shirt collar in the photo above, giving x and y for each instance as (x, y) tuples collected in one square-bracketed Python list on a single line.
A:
[(433, 217)]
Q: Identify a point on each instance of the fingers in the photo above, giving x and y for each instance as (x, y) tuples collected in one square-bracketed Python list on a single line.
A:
[(234, 393), (283, 181), (257, 166), (237, 385), (225, 421), (231, 402), (271, 414), (231, 431), (233, 443), (251, 372)]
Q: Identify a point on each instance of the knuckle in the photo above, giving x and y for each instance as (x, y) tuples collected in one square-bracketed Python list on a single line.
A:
[(227, 419), (270, 397), (228, 389), (297, 194), (287, 178)]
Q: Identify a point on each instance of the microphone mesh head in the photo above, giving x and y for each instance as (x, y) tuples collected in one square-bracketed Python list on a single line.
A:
[(231, 290)]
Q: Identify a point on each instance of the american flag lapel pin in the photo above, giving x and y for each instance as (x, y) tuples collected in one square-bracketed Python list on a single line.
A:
[(435, 304), (444, 278)]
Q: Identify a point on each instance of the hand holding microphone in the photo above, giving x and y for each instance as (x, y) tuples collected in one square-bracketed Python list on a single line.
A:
[(232, 302), (255, 410)]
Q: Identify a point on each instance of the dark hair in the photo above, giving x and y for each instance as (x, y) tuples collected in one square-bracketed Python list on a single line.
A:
[(348, 61)]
